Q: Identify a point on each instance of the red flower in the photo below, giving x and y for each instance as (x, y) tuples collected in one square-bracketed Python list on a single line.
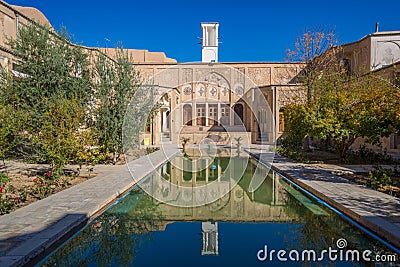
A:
[(35, 180), (46, 185), (16, 200), (1, 189), (48, 174), (39, 184)]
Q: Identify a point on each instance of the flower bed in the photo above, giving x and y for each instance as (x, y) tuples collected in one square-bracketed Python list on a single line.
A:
[(21, 186)]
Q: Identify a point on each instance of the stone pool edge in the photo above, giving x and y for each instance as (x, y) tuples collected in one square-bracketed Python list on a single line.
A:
[(377, 224), (42, 226)]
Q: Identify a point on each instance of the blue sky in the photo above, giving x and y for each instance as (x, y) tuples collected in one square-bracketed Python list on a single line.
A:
[(252, 30)]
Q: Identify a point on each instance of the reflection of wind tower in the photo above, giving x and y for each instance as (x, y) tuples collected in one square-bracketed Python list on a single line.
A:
[(210, 238), (209, 51)]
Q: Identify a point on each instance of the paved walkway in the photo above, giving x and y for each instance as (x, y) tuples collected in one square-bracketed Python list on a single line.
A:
[(374, 210), (29, 231)]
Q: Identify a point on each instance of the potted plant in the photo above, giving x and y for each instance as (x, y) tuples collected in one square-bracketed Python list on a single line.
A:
[(238, 144), (184, 140)]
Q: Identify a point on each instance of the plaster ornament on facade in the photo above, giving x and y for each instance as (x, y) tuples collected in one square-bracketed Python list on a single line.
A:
[(376, 52), (207, 118)]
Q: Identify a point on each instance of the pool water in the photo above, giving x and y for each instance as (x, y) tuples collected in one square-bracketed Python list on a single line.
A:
[(140, 231)]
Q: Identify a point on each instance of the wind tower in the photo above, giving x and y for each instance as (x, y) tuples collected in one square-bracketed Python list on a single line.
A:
[(210, 238), (209, 50)]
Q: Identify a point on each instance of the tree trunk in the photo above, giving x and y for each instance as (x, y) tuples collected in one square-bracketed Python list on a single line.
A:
[(114, 156), (342, 146)]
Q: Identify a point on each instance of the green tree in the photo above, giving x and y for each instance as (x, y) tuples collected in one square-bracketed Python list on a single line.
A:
[(53, 92), (340, 107), (349, 107), (344, 108), (11, 120), (117, 82), (297, 126)]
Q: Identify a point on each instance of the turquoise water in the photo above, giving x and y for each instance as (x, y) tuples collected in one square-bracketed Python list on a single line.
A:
[(140, 231)]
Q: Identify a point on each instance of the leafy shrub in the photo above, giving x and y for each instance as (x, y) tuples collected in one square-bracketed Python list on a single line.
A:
[(366, 155), (42, 188), (4, 178), (11, 198), (151, 149), (379, 178)]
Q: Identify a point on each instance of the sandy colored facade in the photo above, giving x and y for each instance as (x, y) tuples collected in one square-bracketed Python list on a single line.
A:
[(372, 52), (272, 78), (186, 112), (198, 115), (11, 18)]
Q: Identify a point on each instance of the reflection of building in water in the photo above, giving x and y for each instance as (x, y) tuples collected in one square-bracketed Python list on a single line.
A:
[(210, 238), (268, 203)]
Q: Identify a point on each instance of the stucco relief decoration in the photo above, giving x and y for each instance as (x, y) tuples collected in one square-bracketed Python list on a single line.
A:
[(187, 75), (201, 75), (215, 78), (260, 76), (237, 77), (225, 89), (390, 53), (201, 90), (212, 83), (187, 90), (239, 90), (213, 91)]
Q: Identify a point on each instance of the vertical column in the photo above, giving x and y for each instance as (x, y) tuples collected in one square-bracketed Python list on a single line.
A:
[(194, 173), (219, 170), (206, 113), (207, 170), (164, 121), (194, 113), (175, 122), (273, 188), (231, 115), (216, 238), (219, 113), (276, 115)]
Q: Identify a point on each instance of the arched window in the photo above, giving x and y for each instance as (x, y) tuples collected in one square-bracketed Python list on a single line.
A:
[(187, 114), (238, 108)]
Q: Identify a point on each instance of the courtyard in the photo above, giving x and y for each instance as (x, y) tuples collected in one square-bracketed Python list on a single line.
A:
[(113, 155)]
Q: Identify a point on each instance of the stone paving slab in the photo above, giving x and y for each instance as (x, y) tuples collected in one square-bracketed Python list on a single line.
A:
[(30, 230), (374, 210)]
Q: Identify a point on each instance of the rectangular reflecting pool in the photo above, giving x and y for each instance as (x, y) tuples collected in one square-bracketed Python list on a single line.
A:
[(261, 220)]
